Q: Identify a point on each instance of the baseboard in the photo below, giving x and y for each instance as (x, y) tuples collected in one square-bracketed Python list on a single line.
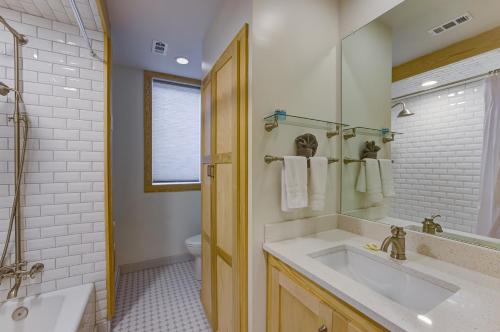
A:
[(127, 268)]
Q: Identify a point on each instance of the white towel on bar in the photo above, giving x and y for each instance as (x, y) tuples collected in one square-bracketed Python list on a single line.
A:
[(317, 182), (294, 183), (369, 182), (386, 177)]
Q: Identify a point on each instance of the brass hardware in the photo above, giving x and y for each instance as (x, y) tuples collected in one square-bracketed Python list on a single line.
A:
[(387, 139), (397, 240), (351, 135), (269, 159), (19, 314), (429, 226), (348, 161), (211, 171), (270, 126), (330, 134), (323, 328), (17, 270)]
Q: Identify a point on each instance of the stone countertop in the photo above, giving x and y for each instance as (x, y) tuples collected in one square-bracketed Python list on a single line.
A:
[(474, 307)]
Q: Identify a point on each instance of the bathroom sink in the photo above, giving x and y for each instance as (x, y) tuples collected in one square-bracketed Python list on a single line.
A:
[(410, 288)]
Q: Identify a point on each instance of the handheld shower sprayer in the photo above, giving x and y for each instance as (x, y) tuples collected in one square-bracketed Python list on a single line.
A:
[(17, 269), (5, 89)]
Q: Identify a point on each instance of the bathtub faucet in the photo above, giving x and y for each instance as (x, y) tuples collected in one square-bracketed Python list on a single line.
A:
[(13, 291), (19, 273)]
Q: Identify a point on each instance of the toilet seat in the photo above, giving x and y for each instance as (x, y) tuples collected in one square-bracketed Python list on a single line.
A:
[(194, 241)]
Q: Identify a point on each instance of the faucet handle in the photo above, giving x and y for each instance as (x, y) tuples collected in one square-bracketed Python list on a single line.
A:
[(397, 231)]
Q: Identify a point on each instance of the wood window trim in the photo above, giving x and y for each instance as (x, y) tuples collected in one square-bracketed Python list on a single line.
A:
[(149, 187)]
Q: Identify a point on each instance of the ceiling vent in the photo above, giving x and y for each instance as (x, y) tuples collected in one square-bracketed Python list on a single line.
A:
[(450, 24), (159, 47)]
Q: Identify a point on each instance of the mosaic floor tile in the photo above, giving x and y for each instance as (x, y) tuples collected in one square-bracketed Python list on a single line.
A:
[(161, 299)]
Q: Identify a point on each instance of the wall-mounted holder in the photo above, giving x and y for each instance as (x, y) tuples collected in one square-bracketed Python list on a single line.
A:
[(280, 117), (350, 134), (269, 159), (387, 136), (330, 134), (386, 139)]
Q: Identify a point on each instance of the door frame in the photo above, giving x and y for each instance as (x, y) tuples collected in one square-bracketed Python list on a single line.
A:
[(108, 194)]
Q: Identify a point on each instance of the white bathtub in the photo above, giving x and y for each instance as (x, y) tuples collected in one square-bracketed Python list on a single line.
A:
[(59, 311)]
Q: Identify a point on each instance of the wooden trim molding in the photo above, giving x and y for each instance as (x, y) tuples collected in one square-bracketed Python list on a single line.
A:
[(462, 50), (148, 176), (108, 195)]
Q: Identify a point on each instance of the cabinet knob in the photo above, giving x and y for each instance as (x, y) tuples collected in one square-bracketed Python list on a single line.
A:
[(323, 328)]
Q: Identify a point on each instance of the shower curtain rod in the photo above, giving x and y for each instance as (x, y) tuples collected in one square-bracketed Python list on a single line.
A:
[(448, 85), (78, 18)]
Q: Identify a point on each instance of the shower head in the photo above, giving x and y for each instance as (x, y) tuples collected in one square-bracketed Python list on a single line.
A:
[(404, 112), (5, 89)]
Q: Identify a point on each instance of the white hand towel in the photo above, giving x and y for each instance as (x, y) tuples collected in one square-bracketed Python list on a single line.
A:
[(294, 183), (386, 176), (369, 182), (317, 180)]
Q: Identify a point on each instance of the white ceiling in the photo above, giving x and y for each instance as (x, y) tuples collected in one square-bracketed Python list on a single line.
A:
[(58, 10), (180, 23), (411, 20)]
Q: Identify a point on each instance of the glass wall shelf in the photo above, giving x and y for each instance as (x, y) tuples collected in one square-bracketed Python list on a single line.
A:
[(275, 120), (387, 135)]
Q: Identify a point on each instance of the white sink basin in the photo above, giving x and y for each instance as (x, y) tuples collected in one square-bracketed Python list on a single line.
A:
[(410, 288)]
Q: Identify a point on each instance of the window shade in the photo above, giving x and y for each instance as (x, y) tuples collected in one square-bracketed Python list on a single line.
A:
[(176, 123)]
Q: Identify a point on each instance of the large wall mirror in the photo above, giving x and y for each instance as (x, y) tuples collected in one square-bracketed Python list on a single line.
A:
[(421, 95)]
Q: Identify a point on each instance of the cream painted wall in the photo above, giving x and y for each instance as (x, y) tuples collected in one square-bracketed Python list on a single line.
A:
[(295, 67), (232, 14), (148, 225), (354, 14), (366, 98)]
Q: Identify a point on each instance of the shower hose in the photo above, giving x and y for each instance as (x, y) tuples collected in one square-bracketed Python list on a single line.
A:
[(24, 119)]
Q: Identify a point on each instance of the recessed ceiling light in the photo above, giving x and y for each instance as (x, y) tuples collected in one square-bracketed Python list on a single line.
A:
[(182, 61), (429, 83)]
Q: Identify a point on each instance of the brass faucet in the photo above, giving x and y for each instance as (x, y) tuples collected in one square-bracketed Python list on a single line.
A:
[(13, 291), (429, 226), (397, 239), (19, 273)]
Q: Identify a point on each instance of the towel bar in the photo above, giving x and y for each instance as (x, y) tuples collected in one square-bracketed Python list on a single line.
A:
[(348, 161), (269, 159)]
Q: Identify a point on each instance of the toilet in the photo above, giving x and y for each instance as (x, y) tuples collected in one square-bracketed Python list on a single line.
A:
[(193, 245)]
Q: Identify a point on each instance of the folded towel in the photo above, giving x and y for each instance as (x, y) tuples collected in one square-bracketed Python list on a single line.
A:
[(369, 182), (386, 176), (294, 183), (317, 182)]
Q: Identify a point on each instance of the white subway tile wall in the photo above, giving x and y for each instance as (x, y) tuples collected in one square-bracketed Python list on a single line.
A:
[(63, 210), (476, 65), (438, 158)]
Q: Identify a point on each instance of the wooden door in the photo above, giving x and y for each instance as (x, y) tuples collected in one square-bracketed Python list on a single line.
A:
[(294, 309), (224, 189)]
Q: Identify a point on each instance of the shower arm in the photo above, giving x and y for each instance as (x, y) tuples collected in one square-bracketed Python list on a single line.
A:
[(21, 38)]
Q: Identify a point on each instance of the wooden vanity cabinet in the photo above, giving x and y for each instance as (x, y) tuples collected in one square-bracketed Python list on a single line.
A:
[(296, 304)]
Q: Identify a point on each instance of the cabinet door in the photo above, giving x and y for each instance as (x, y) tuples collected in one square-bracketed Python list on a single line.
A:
[(294, 309)]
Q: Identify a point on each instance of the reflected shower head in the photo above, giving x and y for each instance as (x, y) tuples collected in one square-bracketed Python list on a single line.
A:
[(404, 112), (5, 89)]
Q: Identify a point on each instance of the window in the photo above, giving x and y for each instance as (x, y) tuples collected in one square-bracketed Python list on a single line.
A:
[(172, 124)]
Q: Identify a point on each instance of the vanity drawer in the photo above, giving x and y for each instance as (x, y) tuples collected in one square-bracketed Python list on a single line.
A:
[(296, 304)]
